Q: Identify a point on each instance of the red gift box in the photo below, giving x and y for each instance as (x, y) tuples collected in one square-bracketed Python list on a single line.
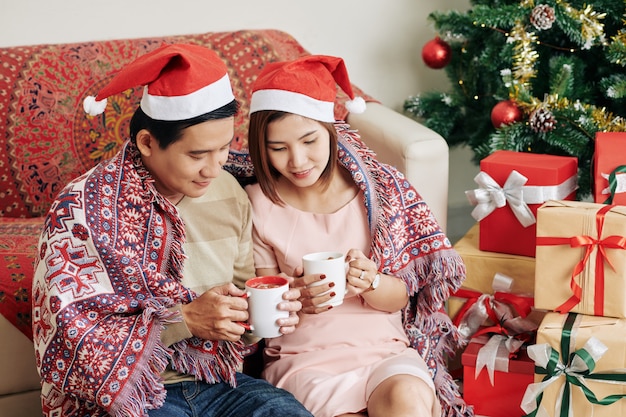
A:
[(506, 206), (609, 168), (503, 398)]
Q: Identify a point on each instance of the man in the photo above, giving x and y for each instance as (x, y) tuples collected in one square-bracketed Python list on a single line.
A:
[(124, 323)]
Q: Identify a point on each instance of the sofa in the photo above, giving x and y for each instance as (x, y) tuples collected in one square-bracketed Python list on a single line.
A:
[(46, 139)]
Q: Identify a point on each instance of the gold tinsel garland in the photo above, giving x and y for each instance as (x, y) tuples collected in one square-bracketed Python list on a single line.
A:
[(525, 57), (620, 39)]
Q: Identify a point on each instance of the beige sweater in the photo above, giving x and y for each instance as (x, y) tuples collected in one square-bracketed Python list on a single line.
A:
[(218, 246)]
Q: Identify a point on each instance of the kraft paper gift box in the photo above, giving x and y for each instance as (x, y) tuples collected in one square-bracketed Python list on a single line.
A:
[(482, 266), (575, 351), (609, 168), (581, 258), (502, 396), (512, 186), (497, 295)]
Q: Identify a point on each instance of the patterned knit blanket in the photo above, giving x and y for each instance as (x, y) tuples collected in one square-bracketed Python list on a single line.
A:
[(109, 267), (407, 242)]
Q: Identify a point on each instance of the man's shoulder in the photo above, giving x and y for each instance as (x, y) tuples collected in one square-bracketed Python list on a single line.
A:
[(225, 186), (226, 177)]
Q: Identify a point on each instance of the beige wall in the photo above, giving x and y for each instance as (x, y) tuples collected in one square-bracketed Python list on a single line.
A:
[(380, 40)]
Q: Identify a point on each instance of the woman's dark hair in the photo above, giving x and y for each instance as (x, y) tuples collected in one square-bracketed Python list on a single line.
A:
[(167, 132), (266, 174)]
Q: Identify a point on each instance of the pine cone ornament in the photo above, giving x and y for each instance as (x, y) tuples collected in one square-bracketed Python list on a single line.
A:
[(542, 17), (542, 120)]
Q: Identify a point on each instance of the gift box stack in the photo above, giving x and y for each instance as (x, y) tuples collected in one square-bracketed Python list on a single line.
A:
[(512, 186), (580, 354), (494, 281), (578, 358)]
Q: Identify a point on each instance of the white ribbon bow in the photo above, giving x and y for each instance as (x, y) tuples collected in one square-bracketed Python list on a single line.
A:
[(541, 355), (620, 186), (477, 314), (491, 196), (495, 355)]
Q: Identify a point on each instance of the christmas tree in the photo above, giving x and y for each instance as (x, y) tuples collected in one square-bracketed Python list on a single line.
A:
[(530, 76)]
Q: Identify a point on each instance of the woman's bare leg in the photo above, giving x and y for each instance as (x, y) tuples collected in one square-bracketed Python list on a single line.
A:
[(401, 396)]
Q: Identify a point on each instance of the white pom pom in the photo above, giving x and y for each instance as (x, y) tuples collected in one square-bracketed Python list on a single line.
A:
[(356, 106), (93, 107)]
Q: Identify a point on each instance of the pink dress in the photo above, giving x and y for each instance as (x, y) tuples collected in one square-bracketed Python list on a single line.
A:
[(334, 360)]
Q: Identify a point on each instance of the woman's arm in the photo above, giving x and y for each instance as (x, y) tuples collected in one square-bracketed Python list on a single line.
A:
[(263, 272), (390, 293)]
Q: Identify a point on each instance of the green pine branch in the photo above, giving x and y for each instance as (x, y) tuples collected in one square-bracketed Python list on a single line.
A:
[(572, 71)]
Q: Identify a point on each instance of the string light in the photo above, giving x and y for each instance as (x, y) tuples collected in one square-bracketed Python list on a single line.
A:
[(531, 34)]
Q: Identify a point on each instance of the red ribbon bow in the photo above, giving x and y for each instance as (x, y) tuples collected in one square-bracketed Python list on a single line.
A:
[(522, 305), (508, 326), (589, 243)]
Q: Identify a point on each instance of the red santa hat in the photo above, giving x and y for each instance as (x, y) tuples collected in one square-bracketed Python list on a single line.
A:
[(305, 86), (180, 82)]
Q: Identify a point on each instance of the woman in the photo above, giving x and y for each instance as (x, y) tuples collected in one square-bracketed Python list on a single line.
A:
[(319, 188), (132, 318)]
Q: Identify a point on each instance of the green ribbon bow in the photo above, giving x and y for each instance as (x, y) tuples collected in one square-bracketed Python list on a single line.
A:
[(579, 367), (613, 182)]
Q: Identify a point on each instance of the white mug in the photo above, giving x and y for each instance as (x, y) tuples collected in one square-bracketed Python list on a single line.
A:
[(264, 294), (333, 265)]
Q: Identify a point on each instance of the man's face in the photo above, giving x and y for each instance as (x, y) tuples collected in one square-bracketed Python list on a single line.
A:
[(187, 166)]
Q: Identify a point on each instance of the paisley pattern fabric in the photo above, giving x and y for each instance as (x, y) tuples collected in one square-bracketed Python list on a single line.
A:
[(408, 243), (18, 246), (46, 139)]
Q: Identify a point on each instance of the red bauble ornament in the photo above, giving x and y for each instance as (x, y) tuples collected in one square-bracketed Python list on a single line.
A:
[(505, 113), (436, 53)]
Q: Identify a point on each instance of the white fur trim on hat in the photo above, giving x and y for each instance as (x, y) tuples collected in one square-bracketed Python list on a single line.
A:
[(291, 102), (93, 107), (202, 101), (357, 105)]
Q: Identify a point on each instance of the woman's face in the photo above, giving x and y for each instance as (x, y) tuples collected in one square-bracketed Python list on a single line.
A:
[(298, 148), (187, 166)]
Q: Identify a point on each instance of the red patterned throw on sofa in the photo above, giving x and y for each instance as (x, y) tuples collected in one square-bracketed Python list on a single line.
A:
[(46, 139)]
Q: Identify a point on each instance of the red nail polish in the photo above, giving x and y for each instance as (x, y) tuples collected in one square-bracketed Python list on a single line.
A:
[(332, 294), (332, 284), (322, 276)]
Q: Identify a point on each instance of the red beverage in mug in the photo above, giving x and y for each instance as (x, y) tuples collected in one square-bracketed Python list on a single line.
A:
[(264, 294)]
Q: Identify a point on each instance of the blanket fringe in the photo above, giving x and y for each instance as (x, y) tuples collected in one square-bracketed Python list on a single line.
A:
[(147, 391), (434, 337), (211, 368), (433, 278)]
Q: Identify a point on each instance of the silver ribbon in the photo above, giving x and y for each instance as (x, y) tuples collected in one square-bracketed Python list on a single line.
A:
[(501, 282), (495, 354), (541, 355), (620, 179), (490, 196), (476, 315)]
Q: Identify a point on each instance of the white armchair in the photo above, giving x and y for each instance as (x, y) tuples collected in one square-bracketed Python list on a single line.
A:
[(415, 150)]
